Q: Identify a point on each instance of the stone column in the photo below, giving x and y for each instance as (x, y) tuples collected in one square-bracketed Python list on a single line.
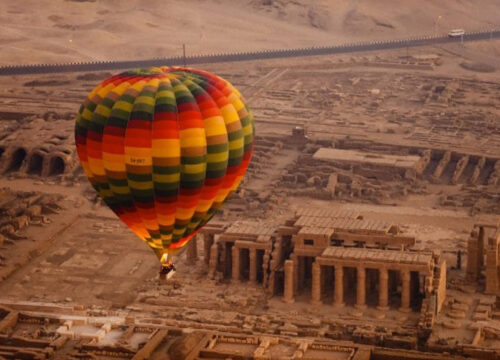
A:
[(295, 273), (339, 286), (192, 250), (405, 291), (491, 269), (316, 283), (265, 276), (481, 241), (236, 262), (383, 289), (428, 285), (473, 266), (361, 288), (212, 266), (253, 265), (289, 287), (207, 243)]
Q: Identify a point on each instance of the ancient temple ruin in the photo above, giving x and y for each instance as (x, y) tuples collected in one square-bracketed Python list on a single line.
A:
[(484, 256), (329, 257)]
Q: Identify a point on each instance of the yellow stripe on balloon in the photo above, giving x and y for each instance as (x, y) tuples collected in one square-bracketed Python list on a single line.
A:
[(105, 90), (166, 220), (248, 130), (162, 148), (214, 126), (121, 190), (221, 195), (170, 178), (125, 106), (165, 93), (104, 193), (113, 162), (238, 105), (140, 185), (132, 159), (204, 205), (147, 100), (179, 231), (151, 224), (103, 110), (138, 85), (236, 144), (194, 168), (184, 213), (199, 141), (218, 157), (236, 183), (87, 114), (192, 133), (96, 166), (138, 151), (229, 113)]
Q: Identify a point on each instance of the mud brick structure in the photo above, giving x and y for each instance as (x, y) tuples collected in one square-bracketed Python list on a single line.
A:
[(406, 166), (43, 148), (20, 209), (35, 331)]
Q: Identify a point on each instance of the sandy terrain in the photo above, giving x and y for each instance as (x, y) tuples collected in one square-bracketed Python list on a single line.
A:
[(419, 103), (66, 31)]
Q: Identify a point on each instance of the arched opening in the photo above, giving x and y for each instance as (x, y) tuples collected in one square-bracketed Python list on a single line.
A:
[(56, 166), (17, 160), (35, 164)]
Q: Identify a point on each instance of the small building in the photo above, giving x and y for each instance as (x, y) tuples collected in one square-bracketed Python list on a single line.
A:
[(384, 166)]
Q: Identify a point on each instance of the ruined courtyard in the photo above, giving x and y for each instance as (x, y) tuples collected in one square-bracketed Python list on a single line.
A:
[(368, 222)]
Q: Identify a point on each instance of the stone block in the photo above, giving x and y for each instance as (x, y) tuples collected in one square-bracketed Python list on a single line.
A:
[(480, 316), (7, 230), (20, 222), (34, 210)]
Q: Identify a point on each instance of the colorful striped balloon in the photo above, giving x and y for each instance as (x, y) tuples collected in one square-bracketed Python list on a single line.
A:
[(164, 147)]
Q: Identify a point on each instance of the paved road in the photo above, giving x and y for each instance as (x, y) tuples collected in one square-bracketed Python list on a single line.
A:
[(243, 56)]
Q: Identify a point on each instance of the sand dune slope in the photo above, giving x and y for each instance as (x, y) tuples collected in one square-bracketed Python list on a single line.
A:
[(80, 30)]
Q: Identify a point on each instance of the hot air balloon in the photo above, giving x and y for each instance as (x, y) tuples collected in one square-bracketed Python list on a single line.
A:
[(164, 148)]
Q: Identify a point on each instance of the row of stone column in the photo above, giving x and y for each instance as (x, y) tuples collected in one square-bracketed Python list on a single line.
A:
[(383, 293), (209, 251), (236, 264), (211, 257)]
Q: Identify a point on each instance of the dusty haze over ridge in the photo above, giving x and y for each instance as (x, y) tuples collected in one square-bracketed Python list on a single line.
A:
[(51, 31)]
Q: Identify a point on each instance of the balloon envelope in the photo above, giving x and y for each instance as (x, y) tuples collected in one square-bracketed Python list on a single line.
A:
[(164, 147)]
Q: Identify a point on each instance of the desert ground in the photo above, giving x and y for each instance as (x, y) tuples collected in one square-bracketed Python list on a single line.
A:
[(70, 268), (65, 31)]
